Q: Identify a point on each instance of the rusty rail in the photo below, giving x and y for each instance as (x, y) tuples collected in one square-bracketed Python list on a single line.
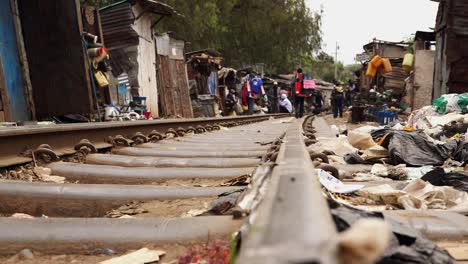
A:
[(16, 144)]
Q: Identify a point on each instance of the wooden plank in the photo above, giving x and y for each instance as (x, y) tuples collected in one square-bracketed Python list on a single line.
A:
[(23, 59), (3, 95)]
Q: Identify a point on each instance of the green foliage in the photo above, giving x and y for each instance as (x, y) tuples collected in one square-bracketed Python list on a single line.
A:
[(278, 33), (322, 66), (275, 32)]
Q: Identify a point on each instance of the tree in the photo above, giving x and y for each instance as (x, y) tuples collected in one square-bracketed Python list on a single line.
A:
[(278, 33)]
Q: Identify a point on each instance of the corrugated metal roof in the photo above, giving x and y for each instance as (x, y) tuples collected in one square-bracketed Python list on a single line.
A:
[(117, 20), (117, 28)]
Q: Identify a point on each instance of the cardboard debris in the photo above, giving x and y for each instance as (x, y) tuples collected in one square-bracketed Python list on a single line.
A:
[(141, 256), (22, 216), (194, 213), (419, 195), (334, 185), (54, 179)]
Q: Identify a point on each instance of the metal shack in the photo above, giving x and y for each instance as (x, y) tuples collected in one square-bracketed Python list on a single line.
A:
[(203, 67), (451, 48), (43, 72), (395, 80), (128, 32)]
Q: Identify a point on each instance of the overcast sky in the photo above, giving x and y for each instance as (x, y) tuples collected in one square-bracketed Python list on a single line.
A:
[(354, 23)]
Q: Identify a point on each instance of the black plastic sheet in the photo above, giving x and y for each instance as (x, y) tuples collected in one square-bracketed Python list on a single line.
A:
[(407, 245), (415, 149), (438, 177)]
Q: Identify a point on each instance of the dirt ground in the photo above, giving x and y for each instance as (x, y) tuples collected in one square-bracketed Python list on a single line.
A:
[(344, 121), (173, 251), (164, 209)]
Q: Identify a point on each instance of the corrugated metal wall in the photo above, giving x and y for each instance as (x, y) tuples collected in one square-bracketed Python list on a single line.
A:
[(452, 48), (117, 24), (13, 95)]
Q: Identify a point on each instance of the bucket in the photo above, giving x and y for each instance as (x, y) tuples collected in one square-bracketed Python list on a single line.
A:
[(371, 70), (408, 62), (376, 61), (387, 66)]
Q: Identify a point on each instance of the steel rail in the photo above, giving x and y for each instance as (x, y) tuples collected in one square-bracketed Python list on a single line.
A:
[(16, 143), (293, 223)]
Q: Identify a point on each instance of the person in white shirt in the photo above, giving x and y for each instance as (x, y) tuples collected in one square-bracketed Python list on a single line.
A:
[(285, 104)]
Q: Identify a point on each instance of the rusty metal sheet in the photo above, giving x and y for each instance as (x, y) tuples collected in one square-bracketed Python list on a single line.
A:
[(59, 76), (173, 87), (117, 24)]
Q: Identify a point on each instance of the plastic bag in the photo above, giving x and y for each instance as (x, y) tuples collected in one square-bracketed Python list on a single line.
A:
[(361, 140), (415, 149), (438, 177), (408, 245), (451, 103)]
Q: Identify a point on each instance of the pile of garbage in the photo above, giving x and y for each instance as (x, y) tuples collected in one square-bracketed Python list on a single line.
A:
[(432, 136), (420, 164)]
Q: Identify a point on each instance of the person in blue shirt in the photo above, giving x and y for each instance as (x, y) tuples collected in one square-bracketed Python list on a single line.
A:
[(255, 91)]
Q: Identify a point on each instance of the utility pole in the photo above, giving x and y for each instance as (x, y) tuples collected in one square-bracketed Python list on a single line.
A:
[(336, 61)]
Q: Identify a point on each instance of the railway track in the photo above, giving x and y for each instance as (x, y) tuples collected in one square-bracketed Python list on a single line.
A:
[(156, 181), (17, 144), (189, 187)]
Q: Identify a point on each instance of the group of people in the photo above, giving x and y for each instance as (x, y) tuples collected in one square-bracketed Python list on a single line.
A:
[(254, 97)]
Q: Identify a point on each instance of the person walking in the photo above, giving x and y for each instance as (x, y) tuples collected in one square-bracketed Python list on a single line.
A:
[(337, 101), (297, 87), (255, 91), (285, 105)]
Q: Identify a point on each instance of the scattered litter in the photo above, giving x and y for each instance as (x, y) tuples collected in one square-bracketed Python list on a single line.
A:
[(407, 245), (368, 177), (334, 185), (358, 244), (129, 209), (26, 254), (239, 181), (361, 140), (22, 216), (340, 145), (375, 153), (126, 217), (439, 177), (54, 179), (418, 195), (195, 212), (215, 252), (141, 256), (415, 149)]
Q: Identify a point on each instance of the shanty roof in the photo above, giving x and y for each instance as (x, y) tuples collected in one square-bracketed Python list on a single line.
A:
[(210, 52), (152, 6), (427, 36), (117, 20)]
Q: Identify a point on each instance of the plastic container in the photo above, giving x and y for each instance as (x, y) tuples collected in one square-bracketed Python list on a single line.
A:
[(376, 61), (386, 66), (371, 71), (386, 117), (408, 62)]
